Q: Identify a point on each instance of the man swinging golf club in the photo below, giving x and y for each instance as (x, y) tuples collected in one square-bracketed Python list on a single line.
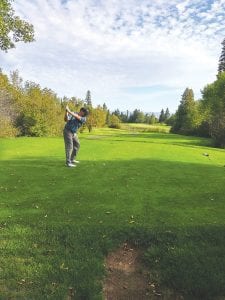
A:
[(72, 145)]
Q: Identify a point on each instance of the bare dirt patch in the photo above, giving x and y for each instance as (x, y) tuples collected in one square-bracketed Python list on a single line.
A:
[(127, 278)]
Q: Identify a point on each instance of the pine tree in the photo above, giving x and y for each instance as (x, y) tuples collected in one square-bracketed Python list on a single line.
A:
[(116, 113), (167, 115), (186, 115), (108, 117), (162, 116), (88, 98), (221, 67)]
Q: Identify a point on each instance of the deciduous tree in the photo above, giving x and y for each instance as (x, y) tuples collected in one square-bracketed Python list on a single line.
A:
[(12, 28)]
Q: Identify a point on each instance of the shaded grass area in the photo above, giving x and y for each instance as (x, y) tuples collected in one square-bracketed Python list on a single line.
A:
[(157, 191)]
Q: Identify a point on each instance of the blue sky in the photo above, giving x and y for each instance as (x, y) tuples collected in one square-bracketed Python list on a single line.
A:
[(130, 54)]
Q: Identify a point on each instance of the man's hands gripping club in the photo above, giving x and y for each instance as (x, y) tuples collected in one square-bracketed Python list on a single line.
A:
[(77, 116)]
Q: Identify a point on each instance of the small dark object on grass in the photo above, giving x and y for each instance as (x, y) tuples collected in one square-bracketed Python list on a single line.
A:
[(205, 154)]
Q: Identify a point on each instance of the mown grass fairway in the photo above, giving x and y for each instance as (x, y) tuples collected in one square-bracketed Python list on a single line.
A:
[(156, 190)]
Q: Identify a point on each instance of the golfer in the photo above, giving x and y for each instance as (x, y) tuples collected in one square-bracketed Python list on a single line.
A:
[(72, 145)]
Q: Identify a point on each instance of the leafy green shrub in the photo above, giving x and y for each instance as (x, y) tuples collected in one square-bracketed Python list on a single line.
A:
[(114, 122), (6, 128)]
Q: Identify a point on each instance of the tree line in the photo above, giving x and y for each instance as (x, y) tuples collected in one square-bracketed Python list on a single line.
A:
[(204, 117), (26, 109), (138, 116)]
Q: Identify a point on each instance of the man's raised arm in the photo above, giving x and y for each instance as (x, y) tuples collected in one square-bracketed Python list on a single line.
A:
[(66, 117), (73, 114)]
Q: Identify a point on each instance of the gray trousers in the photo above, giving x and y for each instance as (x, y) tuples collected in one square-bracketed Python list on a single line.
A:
[(72, 145)]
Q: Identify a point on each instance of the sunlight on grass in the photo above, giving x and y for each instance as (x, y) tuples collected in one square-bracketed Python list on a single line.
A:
[(156, 190)]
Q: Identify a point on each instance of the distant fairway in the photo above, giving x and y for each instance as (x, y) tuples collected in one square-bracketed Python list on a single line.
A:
[(163, 192)]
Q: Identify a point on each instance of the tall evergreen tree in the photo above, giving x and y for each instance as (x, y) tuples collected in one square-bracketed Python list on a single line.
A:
[(116, 113), (127, 114), (104, 107), (167, 114), (123, 117), (221, 67), (186, 115), (88, 98), (162, 116)]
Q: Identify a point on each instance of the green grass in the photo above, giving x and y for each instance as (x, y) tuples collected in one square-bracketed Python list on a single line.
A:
[(141, 127), (156, 190)]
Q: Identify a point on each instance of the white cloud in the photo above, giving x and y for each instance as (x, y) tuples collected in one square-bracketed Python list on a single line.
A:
[(107, 46)]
